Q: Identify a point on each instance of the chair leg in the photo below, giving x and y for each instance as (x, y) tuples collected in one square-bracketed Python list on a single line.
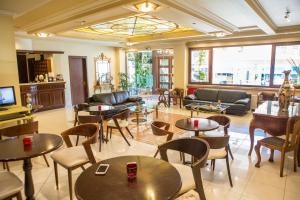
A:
[(107, 130), (4, 165), (77, 140), (271, 159), (213, 164), (100, 139), (45, 158), (56, 174), (70, 183), (129, 132), (156, 153), (19, 196), (110, 133), (228, 171), (7, 166), (257, 150), (124, 137), (295, 159), (282, 163), (230, 152), (82, 167), (201, 189)]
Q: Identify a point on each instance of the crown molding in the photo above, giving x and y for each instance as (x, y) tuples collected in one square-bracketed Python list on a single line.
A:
[(6, 12)]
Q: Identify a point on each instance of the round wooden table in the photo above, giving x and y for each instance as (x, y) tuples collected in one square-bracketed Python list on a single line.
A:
[(13, 149), (203, 125), (156, 179)]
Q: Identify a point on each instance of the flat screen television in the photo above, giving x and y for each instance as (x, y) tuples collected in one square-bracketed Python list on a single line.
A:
[(7, 97)]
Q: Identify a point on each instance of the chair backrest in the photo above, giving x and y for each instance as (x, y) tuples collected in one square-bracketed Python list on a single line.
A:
[(218, 142), (77, 108), (160, 128), (292, 131), (88, 130), (85, 119), (178, 92), (124, 115), (222, 120), (196, 147), (267, 96), (20, 129)]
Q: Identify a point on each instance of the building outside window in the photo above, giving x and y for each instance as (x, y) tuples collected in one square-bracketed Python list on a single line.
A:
[(283, 57), (199, 66), (242, 65)]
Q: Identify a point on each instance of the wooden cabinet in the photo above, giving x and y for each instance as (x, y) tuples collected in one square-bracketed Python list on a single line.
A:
[(49, 95)]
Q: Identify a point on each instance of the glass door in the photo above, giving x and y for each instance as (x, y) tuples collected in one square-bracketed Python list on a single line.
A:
[(165, 65)]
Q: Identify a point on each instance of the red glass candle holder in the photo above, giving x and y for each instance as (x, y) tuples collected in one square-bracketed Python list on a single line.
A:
[(99, 108), (196, 123), (27, 140), (131, 171)]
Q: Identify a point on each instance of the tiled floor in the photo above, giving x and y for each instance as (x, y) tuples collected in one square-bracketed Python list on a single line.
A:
[(250, 183)]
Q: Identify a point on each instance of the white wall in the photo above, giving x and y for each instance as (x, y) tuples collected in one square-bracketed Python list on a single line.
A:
[(71, 48)]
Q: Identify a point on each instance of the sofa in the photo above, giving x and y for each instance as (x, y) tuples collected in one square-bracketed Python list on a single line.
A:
[(120, 100), (238, 101)]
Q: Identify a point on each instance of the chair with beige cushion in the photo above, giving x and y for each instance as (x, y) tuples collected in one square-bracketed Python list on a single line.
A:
[(119, 122), (218, 150), (224, 122), (10, 186), (161, 131), (73, 157), (190, 176), (31, 127)]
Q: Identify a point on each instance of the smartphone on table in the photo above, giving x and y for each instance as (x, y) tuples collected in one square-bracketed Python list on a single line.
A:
[(102, 169)]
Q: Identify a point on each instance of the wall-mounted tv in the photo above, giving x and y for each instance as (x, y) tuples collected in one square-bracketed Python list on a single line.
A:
[(7, 96)]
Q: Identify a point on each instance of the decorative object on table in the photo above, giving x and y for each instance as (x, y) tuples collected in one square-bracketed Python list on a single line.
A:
[(295, 67), (59, 77), (131, 171), (41, 78), (28, 101), (286, 92)]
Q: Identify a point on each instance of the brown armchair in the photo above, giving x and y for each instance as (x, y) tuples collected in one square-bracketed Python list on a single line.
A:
[(161, 129), (177, 93), (266, 96)]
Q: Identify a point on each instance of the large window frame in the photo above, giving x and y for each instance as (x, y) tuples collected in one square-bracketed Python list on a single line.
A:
[(210, 64)]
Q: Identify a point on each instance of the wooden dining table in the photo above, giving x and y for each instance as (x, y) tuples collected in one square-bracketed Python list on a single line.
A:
[(156, 179), (13, 149), (272, 120)]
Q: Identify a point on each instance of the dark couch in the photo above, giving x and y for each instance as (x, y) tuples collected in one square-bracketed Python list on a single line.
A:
[(120, 100), (238, 101)]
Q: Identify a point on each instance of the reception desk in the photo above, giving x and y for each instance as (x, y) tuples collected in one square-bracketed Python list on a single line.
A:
[(45, 96)]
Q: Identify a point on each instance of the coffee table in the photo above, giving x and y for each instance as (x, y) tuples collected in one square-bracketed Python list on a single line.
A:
[(205, 107), (13, 149), (156, 179), (141, 113)]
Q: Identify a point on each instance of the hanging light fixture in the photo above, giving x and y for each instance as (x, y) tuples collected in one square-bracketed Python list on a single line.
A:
[(287, 15), (146, 7)]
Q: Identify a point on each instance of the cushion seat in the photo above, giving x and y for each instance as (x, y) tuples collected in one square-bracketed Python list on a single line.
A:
[(122, 123), (186, 176), (216, 154), (70, 157), (10, 184)]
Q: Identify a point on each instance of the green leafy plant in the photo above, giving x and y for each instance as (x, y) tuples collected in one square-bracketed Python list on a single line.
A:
[(124, 83)]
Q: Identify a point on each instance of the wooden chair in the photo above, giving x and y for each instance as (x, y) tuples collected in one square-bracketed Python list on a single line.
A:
[(86, 119), (290, 143), (161, 130), (219, 150), (10, 186), (176, 94), (73, 157), (21, 129), (77, 108), (196, 147), (162, 99), (266, 96), (224, 121), (119, 121)]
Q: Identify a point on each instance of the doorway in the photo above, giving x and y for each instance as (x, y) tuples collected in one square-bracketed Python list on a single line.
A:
[(164, 72), (78, 79)]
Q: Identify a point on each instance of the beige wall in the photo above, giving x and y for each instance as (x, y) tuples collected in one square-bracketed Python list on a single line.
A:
[(8, 61), (180, 66), (72, 48)]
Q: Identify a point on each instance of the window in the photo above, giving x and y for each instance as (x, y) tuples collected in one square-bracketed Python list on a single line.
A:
[(242, 65), (199, 71), (283, 57)]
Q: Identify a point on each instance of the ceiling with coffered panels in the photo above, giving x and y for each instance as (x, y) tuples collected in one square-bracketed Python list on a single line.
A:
[(120, 21)]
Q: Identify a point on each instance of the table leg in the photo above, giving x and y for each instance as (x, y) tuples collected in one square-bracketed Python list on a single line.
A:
[(29, 188), (197, 133), (299, 154), (169, 99), (251, 134), (137, 119)]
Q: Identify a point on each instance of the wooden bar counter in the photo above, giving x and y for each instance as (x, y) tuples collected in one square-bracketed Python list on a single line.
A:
[(47, 96)]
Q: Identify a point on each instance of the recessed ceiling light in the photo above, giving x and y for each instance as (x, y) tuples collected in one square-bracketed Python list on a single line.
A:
[(82, 22), (42, 34), (194, 23), (220, 34), (146, 6)]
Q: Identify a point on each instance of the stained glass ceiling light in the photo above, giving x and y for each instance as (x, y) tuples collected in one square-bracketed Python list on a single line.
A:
[(146, 7), (137, 25)]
